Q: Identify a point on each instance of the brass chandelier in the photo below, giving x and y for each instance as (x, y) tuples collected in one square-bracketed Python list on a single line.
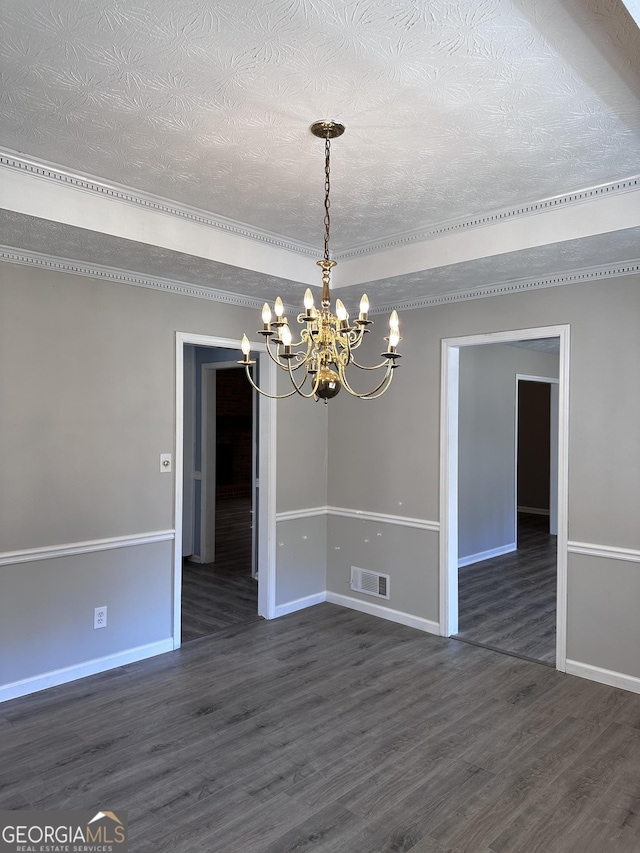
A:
[(317, 363)]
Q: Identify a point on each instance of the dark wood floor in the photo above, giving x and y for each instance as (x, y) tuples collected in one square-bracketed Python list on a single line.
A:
[(509, 602), (330, 730), (221, 594)]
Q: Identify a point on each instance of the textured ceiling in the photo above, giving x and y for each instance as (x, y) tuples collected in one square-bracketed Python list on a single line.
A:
[(452, 109), (88, 247)]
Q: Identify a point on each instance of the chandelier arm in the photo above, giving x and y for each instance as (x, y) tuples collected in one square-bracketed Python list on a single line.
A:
[(297, 343), (264, 393), (373, 395), (274, 357), (379, 394), (345, 344), (372, 367), (358, 337), (298, 365), (374, 391), (298, 388), (351, 343), (276, 360)]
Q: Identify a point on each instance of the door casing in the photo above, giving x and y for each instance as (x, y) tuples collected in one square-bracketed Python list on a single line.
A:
[(266, 475), (449, 389)]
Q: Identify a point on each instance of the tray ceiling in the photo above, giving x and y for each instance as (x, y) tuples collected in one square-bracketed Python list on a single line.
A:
[(452, 109)]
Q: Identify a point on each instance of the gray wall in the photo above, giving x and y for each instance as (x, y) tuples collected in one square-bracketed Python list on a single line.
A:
[(486, 442), (302, 484), (389, 462), (87, 391), (87, 394)]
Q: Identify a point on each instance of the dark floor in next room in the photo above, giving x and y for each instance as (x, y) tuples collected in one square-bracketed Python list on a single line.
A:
[(509, 602), (221, 594)]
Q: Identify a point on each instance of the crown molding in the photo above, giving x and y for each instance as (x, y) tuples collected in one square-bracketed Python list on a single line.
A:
[(180, 288), (515, 286), (465, 223), (87, 183)]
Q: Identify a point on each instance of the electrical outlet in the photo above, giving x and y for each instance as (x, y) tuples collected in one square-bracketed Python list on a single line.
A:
[(100, 617)]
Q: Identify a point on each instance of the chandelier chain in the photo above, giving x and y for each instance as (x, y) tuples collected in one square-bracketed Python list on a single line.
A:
[(317, 362), (327, 202)]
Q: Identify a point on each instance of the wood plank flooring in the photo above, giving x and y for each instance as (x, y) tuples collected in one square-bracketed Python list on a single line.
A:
[(331, 730), (509, 602), (221, 594)]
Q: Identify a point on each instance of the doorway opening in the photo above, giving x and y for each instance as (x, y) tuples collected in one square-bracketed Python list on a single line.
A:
[(224, 564), (502, 570), (220, 518)]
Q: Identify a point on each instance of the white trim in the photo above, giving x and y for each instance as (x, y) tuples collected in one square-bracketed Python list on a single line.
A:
[(360, 515), (14, 162), (486, 555), (267, 474), (300, 604), (82, 670), (181, 288), (609, 552), (382, 612), (448, 575), (506, 337), (441, 229), (120, 276), (295, 514), (512, 286), (603, 676), (29, 555), (532, 510), (526, 377), (385, 518), (564, 362), (267, 491), (449, 473)]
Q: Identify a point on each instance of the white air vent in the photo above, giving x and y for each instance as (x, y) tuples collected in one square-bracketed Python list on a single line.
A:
[(373, 583)]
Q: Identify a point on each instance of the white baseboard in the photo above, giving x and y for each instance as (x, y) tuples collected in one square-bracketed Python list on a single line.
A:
[(604, 676), (300, 604), (81, 670), (384, 612), (532, 510), (486, 555)]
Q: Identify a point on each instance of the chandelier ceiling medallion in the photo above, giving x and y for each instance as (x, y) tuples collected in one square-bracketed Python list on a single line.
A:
[(317, 363)]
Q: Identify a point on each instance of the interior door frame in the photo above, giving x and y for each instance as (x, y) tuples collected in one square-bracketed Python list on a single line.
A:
[(449, 392), (267, 474)]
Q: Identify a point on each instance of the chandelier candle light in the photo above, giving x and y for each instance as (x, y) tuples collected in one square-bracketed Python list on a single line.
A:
[(317, 363)]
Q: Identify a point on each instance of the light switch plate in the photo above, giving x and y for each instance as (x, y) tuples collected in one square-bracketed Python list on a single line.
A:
[(165, 463)]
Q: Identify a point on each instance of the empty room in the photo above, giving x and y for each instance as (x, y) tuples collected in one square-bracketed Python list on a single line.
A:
[(281, 567)]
